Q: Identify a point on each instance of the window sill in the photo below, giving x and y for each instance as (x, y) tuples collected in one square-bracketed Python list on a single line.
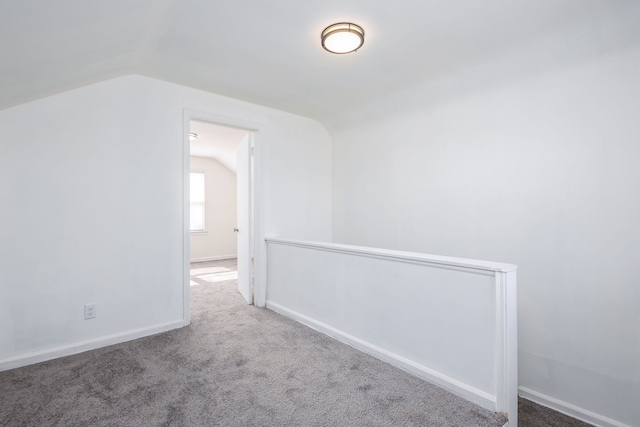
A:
[(198, 232)]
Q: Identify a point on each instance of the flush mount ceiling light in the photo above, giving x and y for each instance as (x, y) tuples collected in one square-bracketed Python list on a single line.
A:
[(343, 37), (193, 136)]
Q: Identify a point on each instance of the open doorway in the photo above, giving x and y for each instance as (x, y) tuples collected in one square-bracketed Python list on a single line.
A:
[(221, 202)]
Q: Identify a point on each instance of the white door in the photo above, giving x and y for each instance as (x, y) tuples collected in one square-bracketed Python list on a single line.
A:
[(244, 226)]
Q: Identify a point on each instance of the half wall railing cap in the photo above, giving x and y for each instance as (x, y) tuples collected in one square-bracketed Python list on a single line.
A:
[(394, 254)]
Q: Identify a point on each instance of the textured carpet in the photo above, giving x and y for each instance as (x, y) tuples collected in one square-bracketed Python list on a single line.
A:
[(235, 365), (533, 415)]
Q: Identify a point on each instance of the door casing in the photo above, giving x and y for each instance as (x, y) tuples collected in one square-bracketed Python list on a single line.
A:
[(260, 250)]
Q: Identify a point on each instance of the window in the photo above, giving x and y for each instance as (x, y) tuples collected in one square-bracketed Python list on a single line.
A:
[(196, 181)]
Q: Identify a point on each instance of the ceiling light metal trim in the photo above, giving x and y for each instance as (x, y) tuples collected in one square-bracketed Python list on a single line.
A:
[(344, 30)]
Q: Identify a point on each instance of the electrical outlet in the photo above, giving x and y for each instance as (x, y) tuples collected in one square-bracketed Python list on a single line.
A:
[(89, 311)]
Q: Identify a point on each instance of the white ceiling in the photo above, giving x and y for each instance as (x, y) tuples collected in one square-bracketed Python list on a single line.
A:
[(266, 51), (216, 142)]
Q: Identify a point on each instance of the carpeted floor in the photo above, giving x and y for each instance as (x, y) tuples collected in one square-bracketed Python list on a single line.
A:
[(235, 365), (533, 415)]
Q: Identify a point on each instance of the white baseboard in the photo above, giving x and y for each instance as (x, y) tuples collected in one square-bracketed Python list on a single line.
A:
[(466, 391), (79, 347), (214, 258), (569, 409)]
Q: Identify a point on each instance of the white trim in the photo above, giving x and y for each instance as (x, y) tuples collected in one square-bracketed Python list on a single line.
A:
[(506, 348), (466, 391), (402, 256), (82, 346), (214, 258), (569, 409), (259, 244), (186, 220)]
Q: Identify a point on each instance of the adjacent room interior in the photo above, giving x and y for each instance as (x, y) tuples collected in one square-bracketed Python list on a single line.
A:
[(213, 202)]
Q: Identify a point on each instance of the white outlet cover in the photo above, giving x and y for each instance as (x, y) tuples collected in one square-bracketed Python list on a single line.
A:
[(89, 311)]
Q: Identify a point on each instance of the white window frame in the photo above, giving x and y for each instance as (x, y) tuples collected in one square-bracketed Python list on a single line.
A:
[(204, 201)]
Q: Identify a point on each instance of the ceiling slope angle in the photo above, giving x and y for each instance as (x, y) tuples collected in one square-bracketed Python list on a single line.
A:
[(52, 47), (264, 52)]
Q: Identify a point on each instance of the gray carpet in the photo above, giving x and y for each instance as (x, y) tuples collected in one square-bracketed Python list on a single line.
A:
[(235, 365), (533, 415)]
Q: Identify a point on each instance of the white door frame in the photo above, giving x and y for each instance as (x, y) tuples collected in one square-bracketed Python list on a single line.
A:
[(260, 250)]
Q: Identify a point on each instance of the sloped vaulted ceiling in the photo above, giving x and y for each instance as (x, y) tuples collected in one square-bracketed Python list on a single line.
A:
[(264, 51)]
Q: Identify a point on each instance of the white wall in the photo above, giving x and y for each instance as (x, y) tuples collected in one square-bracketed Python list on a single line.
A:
[(218, 241), (531, 159), (91, 208)]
